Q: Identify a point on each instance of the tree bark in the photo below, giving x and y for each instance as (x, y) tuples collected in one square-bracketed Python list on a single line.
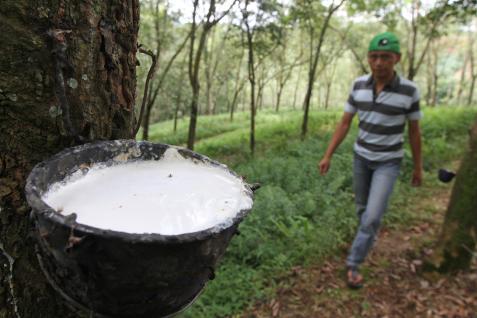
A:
[(179, 96), (327, 94), (251, 78), (458, 238), (429, 80), (436, 20), (194, 61), (473, 71), (67, 76), (160, 82), (462, 80), (239, 83), (297, 85), (412, 51), (314, 63), (208, 51), (435, 78)]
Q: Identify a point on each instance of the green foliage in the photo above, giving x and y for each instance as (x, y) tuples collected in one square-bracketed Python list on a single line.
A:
[(298, 216)]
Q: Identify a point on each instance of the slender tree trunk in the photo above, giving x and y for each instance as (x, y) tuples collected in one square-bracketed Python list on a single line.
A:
[(209, 46), (412, 50), (415, 64), (281, 85), (314, 64), (261, 86), (244, 98), (327, 95), (147, 120), (61, 85), (176, 110), (458, 238), (471, 90), (435, 79), (194, 61), (297, 85), (462, 80), (179, 96), (239, 84), (473, 71), (429, 79), (251, 78), (235, 99), (279, 96), (160, 82)]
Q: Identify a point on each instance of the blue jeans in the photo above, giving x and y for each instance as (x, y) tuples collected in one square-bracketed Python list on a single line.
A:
[(373, 183)]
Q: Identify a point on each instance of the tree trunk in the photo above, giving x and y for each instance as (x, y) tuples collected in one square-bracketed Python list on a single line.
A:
[(251, 78), (297, 85), (462, 80), (471, 91), (146, 121), (68, 76), (435, 77), (239, 84), (429, 80), (458, 238), (279, 96), (327, 94), (208, 72), (473, 71), (194, 61), (434, 89), (179, 96), (313, 66), (261, 87), (160, 82), (412, 51)]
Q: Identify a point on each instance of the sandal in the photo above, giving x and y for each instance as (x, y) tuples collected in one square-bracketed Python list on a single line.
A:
[(354, 280)]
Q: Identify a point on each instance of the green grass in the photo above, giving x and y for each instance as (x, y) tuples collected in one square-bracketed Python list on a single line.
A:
[(213, 126), (298, 216)]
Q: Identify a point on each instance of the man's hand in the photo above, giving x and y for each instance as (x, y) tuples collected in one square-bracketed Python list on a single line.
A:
[(324, 165), (416, 177), (338, 136)]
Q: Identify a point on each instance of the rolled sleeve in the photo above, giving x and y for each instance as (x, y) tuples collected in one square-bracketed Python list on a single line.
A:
[(414, 115), (414, 111), (349, 108), (350, 105)]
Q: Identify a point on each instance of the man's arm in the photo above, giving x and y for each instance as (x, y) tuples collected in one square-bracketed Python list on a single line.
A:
[(415, 141), (338, 136)]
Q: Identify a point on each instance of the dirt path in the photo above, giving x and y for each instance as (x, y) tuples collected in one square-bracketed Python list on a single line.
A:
[(394, 286)]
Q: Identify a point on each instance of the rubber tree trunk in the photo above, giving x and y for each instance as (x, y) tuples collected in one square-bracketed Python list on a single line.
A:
[(313, 66), (67, 76), (251, 78), (473, 73), (459, 231)]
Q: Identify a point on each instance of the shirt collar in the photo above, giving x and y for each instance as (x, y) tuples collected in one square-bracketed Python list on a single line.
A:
[(394, 85)]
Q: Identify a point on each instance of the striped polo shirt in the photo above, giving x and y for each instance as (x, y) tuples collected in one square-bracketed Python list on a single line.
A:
[(382, 117)]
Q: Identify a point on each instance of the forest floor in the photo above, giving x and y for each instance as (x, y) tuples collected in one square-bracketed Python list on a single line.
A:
[(395, 285)]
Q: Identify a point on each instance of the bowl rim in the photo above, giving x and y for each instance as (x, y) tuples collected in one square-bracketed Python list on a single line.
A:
[(41, 209)]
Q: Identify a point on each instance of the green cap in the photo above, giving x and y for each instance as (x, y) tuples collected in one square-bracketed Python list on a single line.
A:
[(386, 41)]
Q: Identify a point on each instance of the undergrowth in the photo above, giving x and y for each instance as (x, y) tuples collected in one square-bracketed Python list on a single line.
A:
[(299, 217)]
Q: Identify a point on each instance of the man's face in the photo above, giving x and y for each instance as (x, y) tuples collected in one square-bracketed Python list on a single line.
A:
[(382, 63)]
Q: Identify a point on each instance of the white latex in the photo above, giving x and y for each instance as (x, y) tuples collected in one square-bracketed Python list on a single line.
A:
[(170, 196)]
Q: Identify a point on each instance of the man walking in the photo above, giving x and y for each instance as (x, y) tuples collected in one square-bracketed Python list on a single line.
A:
[(384, 102)]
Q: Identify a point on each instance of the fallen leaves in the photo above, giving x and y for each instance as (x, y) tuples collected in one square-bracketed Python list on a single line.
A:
[(395, 285)]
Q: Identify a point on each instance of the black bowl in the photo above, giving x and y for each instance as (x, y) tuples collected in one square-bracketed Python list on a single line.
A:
[(114, 273), (445, 176)]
